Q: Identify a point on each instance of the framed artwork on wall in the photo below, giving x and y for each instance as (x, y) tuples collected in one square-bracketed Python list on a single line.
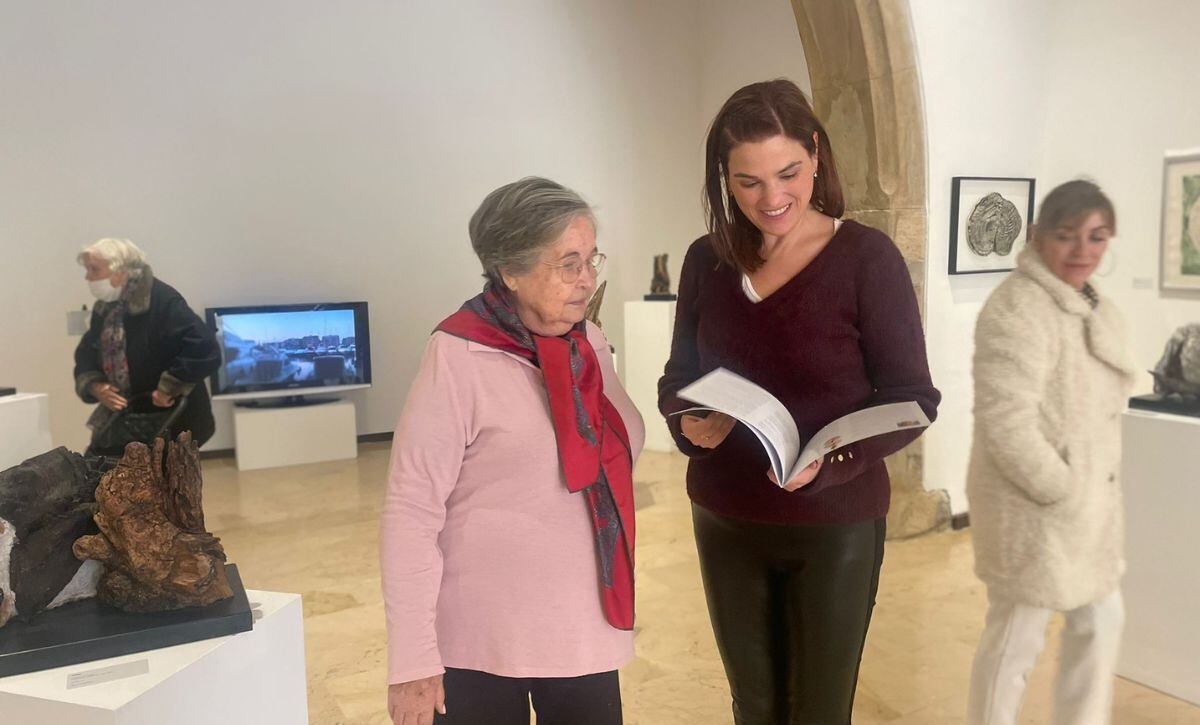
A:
[(1180, 256), (989, 222)]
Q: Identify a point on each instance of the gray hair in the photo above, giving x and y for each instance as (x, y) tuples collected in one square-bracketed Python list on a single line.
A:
[(121, 255), (515, 223)]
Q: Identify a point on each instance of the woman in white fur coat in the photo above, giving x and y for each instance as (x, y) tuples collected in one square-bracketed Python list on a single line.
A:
[(1051, 379)]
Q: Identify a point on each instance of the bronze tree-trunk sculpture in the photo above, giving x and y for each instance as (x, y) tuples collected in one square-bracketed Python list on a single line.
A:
[(152, 542)]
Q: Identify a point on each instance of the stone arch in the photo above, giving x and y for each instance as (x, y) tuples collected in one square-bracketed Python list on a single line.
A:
[(866, 89)]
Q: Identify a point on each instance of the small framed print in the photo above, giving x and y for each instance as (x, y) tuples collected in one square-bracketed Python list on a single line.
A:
[(989, 222), (1180, 255)]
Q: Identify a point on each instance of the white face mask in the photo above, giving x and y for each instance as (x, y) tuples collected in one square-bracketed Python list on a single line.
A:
[(103, 290)]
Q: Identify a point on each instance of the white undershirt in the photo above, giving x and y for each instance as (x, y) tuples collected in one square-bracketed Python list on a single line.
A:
[(748, 286)]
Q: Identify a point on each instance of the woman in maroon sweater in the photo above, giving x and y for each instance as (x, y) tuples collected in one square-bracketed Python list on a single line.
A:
[(822, 314)]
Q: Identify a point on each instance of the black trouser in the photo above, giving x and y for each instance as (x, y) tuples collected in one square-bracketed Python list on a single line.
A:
[(479, 698), (790, 606)]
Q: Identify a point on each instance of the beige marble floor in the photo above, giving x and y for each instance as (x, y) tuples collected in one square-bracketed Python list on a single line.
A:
[(313, 530)]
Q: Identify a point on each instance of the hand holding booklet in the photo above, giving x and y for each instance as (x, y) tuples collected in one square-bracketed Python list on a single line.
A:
[(766, 417)]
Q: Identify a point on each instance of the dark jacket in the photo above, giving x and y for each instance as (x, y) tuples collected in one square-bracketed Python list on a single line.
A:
[(169, 348)]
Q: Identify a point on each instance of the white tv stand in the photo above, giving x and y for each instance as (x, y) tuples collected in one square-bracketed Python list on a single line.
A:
[(311, 432)]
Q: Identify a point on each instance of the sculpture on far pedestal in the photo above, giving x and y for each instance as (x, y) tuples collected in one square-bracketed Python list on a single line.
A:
[(592, 313), (660, 284), (1178, 371), (152, 542)]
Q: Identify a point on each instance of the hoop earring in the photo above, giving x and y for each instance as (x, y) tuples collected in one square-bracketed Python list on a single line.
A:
[(1112, 256)]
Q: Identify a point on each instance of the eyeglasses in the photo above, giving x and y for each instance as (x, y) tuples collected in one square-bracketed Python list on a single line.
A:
[(570, 271)]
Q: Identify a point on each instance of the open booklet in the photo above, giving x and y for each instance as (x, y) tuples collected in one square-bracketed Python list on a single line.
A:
[(765, 416)]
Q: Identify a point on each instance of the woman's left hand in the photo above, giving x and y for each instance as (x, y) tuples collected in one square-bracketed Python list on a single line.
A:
[(801, 479), (161, 399), (707, 432), (415, 702)]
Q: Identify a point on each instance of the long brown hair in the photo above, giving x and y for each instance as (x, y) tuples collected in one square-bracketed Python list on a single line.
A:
[(755, 113)]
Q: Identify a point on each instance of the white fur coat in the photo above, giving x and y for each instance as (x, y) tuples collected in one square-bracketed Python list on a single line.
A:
[(1051, 380)]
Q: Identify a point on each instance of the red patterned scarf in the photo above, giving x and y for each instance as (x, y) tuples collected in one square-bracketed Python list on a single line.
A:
[(593, 445)]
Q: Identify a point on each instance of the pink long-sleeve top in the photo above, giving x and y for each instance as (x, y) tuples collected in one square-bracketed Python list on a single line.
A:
[(488, 562)]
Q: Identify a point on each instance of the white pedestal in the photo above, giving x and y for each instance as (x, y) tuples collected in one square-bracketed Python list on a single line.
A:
[(648, 328), (271, 437), (1161, 479), (252, 678), (24, 427)]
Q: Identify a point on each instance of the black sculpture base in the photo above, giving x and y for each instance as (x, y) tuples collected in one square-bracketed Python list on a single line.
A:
[(88, 630), (658, 298), (1166, 404)]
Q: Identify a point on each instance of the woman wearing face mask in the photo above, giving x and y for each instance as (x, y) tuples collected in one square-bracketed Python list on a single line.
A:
[(1051, 380), (820, 312), (145, 348)]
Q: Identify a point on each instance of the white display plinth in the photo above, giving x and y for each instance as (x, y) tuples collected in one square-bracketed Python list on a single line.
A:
[(24, 427), (1161, 482), (271, 437), (648, 328), (252, 678)]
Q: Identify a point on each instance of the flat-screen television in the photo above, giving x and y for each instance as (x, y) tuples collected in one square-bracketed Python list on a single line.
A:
[(290, 350)]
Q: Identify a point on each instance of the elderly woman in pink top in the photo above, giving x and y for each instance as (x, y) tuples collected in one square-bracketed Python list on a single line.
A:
[(507, 535)]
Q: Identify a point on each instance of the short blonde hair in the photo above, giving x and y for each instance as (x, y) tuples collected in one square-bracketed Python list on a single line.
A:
[(122, 255)]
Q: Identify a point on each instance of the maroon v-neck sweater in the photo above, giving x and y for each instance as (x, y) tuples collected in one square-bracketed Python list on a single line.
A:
[(842, 335)]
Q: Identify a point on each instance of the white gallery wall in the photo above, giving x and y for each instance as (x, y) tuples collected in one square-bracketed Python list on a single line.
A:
[(981, 68), (1054, 91), (298, 151), (284, 151), (1126, 90), (743, 43)]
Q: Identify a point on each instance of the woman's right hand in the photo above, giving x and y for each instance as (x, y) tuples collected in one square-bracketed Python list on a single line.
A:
[(413, 703), (707, 432), (109, 396)]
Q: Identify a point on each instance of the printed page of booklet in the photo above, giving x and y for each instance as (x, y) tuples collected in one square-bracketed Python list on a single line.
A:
[(766, 417)]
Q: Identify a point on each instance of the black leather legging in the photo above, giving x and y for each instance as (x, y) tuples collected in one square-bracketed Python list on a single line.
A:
[(790, 607)]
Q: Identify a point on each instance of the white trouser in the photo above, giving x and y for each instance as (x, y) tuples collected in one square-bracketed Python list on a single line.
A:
[(1014, 636)]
